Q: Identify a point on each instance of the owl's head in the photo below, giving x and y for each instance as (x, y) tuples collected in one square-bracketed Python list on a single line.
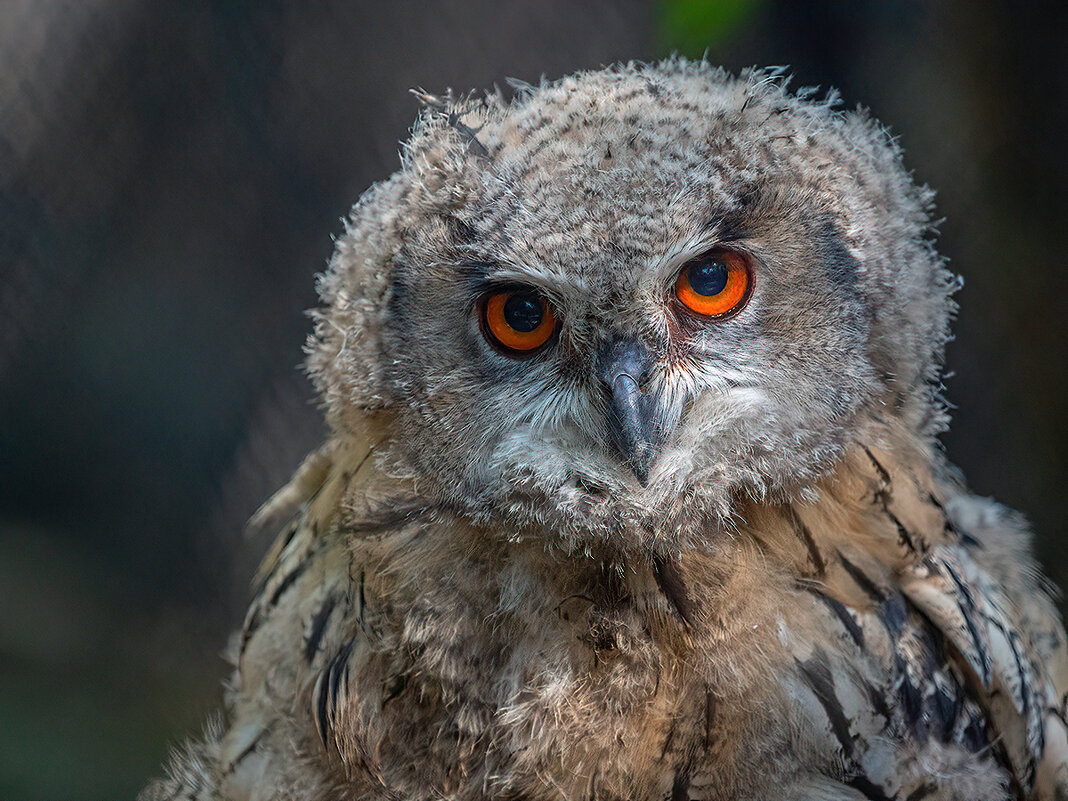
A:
[(609, 308)]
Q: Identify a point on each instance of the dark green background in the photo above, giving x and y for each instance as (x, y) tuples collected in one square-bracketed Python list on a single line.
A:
[(171, 173)]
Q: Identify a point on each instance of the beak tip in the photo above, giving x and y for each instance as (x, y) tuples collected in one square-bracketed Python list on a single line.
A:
[(641, 464)]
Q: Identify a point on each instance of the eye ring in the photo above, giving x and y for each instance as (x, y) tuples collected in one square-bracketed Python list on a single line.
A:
[(518, 321), (716, 285)]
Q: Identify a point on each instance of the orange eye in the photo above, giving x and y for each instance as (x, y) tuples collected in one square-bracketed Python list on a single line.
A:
[(716, 284), (518, 320)]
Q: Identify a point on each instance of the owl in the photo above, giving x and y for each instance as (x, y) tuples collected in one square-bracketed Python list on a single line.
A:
[(632, 489)]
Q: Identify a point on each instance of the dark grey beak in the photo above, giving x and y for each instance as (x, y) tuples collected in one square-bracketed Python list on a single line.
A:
[(624, 365)]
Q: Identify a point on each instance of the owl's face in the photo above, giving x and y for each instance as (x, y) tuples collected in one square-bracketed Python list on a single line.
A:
[(616, 305)]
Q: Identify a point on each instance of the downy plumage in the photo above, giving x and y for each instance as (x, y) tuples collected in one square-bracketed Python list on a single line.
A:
[(742, 569)]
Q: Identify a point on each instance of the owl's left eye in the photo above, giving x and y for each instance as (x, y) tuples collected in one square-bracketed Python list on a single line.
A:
[(715, 285), (518, 321)]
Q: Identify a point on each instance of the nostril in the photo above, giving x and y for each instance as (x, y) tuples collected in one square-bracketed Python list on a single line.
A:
[(646, 373), (624, 356)]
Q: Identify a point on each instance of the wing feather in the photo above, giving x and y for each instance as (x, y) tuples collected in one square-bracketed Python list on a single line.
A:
[(976, 615)]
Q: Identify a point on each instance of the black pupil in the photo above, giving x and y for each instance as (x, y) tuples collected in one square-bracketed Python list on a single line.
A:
[(523, 312), (708, 278)]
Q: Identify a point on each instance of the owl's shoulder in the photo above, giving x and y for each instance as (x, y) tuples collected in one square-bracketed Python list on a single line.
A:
[(930, 606), (306, 629)]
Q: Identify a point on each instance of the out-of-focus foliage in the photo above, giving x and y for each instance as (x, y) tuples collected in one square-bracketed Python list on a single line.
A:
[(693, 27), (170, 174)]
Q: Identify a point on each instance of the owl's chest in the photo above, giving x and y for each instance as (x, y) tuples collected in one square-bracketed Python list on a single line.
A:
[(574, 698)]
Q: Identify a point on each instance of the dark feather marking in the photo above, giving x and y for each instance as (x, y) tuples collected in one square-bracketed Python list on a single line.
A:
[(802, 531), (970, 611), (732, 224), (883, 495), (861, 578), (395, 688), (470, 135), (911, 700), (903, 535), (843, 614), (287, 582), (950, 528), (321, 707), (974, 736), (831, 251), (865, 785), (877, 698), (246, 751), (894, 613), (291, 532), (934, 651), (252, 623), (349, 474), (1025, 686), (710, 715), (361, 599), (318, 627), (339, 674), (1026, 700), (329, 689), (818, 677), (938, 707), (883, 474), (258, 609), (461, 233), (394, 514), (668, 739), (670, 583), (681, 786), (945, 709), (923, 791)]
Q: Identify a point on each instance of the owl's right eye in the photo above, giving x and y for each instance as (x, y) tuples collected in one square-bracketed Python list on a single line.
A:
[(715, 285), (518, 321)]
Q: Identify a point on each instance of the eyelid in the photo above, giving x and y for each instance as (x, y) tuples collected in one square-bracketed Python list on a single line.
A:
[(551, 285)]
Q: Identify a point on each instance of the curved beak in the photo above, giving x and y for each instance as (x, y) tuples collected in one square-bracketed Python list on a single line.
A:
[(634, 418)]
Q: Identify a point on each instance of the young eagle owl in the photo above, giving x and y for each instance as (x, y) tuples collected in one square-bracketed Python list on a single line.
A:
[(632, 488)]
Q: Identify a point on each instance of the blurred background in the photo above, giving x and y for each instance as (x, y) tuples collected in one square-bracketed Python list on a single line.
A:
[(171, 173)]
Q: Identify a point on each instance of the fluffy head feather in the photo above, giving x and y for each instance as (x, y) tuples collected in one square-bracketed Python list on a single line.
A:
[(595, 190)]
